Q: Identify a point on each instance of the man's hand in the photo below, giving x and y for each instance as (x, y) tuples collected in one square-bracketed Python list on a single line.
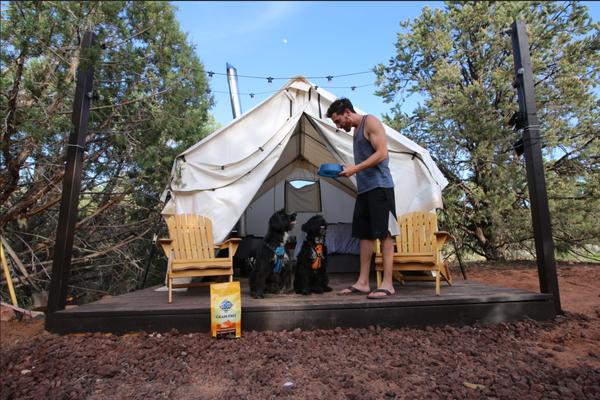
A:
[(348, 171)]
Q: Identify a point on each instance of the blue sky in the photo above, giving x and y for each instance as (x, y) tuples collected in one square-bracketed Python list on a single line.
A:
[(315, 39)]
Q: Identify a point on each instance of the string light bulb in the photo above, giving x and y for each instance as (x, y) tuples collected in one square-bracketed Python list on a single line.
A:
[(252, 96), (353, 88), (210, 75), (270, 80), (329, 80)]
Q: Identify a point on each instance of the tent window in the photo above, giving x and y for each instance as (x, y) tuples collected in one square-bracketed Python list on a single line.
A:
[(303, 196)]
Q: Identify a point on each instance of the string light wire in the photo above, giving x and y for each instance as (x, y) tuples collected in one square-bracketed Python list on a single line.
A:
[(275, 91), (271, 79), (210, 74)]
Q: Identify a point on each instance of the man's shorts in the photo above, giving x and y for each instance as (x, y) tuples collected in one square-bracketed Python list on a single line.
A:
[(375, 214)]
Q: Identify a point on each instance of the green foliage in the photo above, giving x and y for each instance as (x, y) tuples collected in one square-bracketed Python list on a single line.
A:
[(458, 60), (150, 103)]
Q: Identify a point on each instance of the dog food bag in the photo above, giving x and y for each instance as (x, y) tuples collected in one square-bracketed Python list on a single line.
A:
[(226, 310)]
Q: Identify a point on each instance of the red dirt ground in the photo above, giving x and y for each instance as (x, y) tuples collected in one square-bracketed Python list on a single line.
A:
[(525, 360)]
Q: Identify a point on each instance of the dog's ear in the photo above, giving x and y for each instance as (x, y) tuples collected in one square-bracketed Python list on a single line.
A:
[(306, 226), (275, 221)]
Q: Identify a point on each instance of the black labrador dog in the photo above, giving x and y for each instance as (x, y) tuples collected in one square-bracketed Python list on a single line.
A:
[(311, 265), (272, 271)]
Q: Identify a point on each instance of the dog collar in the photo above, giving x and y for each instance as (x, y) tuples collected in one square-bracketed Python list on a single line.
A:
[(279, 251), (319, 250)]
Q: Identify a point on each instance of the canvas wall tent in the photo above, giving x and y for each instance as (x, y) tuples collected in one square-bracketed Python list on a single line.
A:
[(244, 166)]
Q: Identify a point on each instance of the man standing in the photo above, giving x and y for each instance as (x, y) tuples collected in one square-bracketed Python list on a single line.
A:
[(375, 209)]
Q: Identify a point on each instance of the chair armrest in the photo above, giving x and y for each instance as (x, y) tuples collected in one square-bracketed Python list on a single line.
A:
[(162, 242), (225, 244), (442, 236), (231, 244), (166, 246)]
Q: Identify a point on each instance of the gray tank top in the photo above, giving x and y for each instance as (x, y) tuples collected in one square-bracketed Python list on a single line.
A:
[(374, 177)]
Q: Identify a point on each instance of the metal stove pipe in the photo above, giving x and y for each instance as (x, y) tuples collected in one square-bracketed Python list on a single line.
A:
[(236, 107), (232, 79)]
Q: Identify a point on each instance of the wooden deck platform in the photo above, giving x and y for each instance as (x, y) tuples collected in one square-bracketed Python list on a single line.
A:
[(414, 305)]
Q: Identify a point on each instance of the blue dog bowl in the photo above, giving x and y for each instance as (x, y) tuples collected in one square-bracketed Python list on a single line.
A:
[(330, 170)]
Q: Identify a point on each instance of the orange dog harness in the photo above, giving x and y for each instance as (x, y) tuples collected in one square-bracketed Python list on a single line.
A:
[(319, 250)]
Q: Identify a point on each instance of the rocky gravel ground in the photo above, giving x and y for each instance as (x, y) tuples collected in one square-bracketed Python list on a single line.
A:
[(524, 360), (554, 359)]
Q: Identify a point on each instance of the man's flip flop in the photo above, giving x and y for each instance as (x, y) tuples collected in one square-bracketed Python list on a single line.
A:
[(353, 291), (387, 294)]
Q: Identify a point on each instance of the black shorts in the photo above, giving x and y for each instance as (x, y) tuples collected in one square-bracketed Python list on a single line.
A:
[(371, 213)]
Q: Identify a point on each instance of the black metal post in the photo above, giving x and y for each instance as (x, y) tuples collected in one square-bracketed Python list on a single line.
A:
[(61, 266), (540, 213), (154, 246)]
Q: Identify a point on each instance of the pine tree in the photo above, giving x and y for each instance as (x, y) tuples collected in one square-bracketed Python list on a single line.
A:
[(459, 61), (150, 102)]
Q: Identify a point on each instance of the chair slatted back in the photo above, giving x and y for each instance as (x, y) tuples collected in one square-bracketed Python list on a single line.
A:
[(417, 233), (193, 237)]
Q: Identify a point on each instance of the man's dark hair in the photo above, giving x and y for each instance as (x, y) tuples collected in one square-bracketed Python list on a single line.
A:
[(339, 106)]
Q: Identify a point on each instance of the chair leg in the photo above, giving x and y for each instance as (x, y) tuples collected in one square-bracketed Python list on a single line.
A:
[(446, 273), (379, 278), (437, 283), (398, 276), (170, 285)]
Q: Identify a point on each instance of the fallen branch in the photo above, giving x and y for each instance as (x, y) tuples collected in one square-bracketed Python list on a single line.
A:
[(17, 309), (14, 257)]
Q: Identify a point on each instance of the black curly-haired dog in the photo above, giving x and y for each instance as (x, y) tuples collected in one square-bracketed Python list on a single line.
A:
[(311, 265), (272, 271)]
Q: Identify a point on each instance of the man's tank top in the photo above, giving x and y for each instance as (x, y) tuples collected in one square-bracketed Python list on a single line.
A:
[(374, 177)]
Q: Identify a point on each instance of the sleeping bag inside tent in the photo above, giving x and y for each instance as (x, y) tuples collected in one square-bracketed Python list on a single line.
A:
[(268, 159)]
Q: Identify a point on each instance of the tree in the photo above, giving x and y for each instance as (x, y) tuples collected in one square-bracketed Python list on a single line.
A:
[(151, 101), (461, 63)]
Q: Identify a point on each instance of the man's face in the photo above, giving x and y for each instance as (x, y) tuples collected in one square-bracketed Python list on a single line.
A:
[(342, 121)]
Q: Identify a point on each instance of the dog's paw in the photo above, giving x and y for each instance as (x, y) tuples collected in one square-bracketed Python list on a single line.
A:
[(328, 289), (258, 296), (306, 292), (318, 291)]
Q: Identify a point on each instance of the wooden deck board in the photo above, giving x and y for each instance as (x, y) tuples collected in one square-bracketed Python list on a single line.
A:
[(414, 305)]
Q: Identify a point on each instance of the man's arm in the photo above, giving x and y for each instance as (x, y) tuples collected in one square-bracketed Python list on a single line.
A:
[(375, 133)]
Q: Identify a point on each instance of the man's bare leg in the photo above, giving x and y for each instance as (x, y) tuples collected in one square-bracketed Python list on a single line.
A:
[(366, 252), (387, 253)]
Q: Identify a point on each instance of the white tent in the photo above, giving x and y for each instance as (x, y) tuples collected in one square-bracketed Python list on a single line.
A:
[(244, 166)]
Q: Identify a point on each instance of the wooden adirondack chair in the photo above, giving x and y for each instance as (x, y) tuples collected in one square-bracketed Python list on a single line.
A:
[(191, 251), (417, 248)]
